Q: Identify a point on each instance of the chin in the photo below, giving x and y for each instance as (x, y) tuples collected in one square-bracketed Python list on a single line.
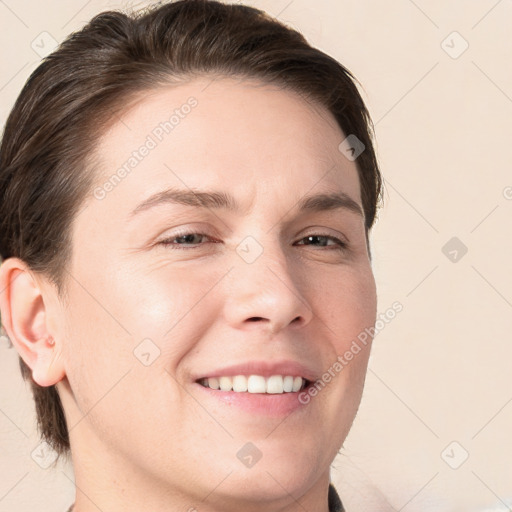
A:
[(270, 482), (284, 467)]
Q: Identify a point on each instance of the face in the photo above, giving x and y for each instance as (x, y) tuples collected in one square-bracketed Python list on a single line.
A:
[(167, 290)]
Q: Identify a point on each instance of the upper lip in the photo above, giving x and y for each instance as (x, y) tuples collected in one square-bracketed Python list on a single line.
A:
[(263, 368)]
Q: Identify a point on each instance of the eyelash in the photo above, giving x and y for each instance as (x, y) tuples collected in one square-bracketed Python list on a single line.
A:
[(168, 242)]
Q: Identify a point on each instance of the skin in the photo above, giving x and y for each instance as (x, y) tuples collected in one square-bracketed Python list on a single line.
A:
[(144, 437)]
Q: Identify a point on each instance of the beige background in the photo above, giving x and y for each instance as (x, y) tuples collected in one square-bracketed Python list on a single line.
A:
[(440, 371)]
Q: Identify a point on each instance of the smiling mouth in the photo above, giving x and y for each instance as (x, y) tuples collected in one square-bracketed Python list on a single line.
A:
[(274, 385)]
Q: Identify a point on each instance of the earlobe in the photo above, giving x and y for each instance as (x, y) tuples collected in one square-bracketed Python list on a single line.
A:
[(48, 369), (24, 317)]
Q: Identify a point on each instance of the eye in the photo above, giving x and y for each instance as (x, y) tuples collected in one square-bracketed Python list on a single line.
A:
[(182, 240), (338, 245)]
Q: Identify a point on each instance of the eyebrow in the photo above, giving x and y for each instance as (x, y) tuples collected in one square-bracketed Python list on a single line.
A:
[(223, 200)]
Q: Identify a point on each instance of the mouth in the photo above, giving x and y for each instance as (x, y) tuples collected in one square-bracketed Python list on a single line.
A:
[(256, 384), (261, 388), (275, 396)]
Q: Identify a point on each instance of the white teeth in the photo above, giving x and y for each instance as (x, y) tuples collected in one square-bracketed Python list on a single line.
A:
[(240, 383), (297, 384), (226, 384), (212, 382), (256, 384), (288, 383), (276, 384)]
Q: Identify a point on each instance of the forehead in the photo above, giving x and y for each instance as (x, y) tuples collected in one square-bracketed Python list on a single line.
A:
[(224, 133)]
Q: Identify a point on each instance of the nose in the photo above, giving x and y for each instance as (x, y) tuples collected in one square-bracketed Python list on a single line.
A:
[(268, 293)]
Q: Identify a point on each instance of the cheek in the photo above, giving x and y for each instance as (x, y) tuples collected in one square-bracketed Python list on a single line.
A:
[(171, 307), (110, 314), (349, 310), (348, 314), (151, 300), (347, 305)]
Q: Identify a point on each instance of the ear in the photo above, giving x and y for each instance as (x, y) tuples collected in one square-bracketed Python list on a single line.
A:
[(25, 318)]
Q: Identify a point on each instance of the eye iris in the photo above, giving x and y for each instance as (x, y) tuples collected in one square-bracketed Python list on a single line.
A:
[(187, 238), (313, 237)]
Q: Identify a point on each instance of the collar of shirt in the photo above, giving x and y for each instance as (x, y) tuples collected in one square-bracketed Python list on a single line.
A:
[(335, 504)]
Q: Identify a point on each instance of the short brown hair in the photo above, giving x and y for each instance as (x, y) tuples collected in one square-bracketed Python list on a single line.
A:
[(77, 90)]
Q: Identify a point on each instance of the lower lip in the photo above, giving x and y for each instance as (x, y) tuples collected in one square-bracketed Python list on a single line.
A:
[(265, 404)]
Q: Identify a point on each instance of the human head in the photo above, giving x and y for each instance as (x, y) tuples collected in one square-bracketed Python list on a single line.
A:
[(48, 158)]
